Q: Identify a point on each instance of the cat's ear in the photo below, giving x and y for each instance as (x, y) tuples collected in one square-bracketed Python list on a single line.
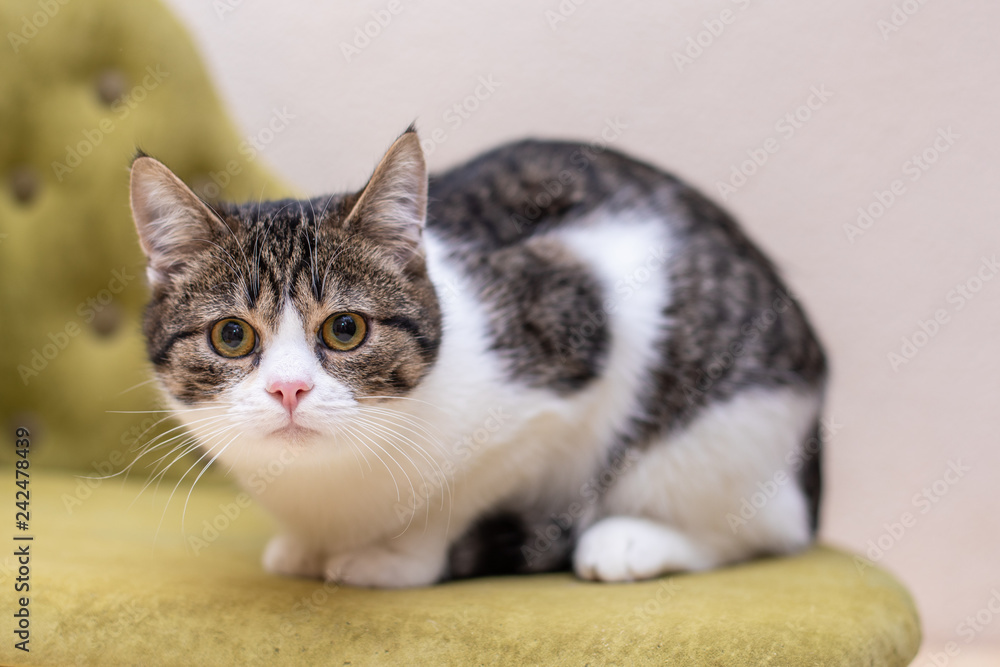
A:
[(392, 208), (171, 220)]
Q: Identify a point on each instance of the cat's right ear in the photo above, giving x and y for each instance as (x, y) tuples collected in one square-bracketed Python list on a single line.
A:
[(172, 221)]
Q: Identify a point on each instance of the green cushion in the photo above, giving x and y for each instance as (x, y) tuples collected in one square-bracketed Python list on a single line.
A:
[(94, 81), (108, 590)]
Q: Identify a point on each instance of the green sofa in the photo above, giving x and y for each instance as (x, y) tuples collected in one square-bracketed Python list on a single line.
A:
[(115, 578)]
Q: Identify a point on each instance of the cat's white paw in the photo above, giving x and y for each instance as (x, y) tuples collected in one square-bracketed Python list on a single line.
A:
[(629, 549), (381, 566), (290, 556)]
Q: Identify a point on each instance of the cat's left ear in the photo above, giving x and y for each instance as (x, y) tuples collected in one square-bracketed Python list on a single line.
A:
[(392, 208)]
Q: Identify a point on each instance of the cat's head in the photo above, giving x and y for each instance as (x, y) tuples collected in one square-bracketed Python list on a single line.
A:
[(279, 320)]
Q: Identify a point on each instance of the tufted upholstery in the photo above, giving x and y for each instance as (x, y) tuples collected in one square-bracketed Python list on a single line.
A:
[(82, 82), (77, 95)]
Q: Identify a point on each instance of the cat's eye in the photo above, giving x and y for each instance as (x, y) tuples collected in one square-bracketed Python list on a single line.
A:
[(343, 331), (233, 338)]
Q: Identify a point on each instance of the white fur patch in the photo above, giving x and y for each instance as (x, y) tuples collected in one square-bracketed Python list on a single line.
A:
[(624, 548), (695, 481)]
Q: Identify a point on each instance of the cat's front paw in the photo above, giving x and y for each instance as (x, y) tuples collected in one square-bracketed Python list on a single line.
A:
[(290, 556), (380, 566), (623, 548)]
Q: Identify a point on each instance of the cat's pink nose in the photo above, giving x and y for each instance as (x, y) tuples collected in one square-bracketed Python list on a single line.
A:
[(289, 392)]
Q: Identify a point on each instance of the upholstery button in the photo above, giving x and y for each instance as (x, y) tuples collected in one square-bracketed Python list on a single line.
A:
[(111, 85), (108, 320), (24, 184)]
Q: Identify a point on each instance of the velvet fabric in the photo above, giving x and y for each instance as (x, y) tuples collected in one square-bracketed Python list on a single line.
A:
[(108, 589)]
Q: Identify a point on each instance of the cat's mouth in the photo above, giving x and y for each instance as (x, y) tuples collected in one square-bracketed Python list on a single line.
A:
[(293, 431)]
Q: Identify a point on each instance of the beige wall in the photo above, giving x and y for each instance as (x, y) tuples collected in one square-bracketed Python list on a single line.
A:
[(887, 98)]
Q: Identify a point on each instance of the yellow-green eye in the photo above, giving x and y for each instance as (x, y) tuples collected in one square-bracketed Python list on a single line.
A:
[(343, 331), (233, 338)]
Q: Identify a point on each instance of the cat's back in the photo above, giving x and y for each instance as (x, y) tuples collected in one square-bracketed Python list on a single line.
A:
[(553, 232), (530, 187)]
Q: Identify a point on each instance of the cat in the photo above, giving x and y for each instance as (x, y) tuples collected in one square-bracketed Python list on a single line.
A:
[(551, 357)]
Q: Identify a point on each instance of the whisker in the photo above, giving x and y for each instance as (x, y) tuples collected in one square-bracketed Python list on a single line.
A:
[(148, 446), (176, 412), (384, 414), (388, 469), (240, 274), (411, 421), (195, 482), (423, 480), (354, 450), (385, 430), (152, 444), (136, 386), (413, 491), (190, 437), (404, 398), (187, 446), (166, 507), (246, 261), (431, 439), (435, 465), (152, 426), (416, 419)]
